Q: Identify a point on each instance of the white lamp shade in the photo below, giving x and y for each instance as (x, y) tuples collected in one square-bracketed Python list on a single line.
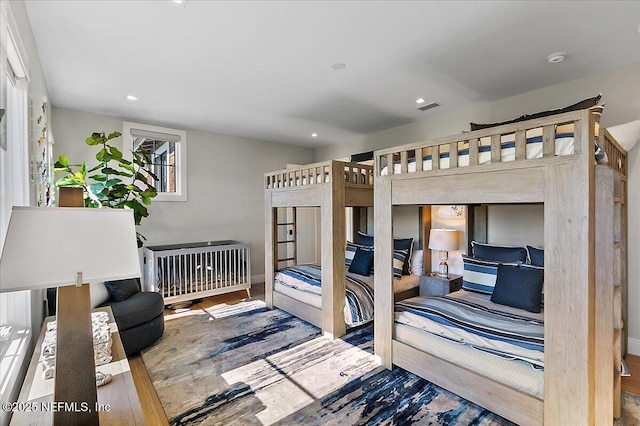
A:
[(47, 247), (443, 239)]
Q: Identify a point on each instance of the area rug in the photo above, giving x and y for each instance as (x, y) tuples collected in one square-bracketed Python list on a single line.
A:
[(244, 364)]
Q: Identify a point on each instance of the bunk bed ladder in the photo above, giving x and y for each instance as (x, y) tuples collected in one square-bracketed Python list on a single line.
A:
[(619, 281), (610, 267), (286, 235)]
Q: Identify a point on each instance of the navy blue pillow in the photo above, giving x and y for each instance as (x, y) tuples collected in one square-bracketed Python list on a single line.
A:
[(362, 262), (123, 289), (364, 239), (506, 254), (536, 255), (405, 244), (519, 287)]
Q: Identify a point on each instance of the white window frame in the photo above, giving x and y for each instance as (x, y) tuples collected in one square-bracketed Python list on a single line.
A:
[(180, 152)]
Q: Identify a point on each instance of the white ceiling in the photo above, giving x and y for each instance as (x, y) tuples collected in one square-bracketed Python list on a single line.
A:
[(263, 70)]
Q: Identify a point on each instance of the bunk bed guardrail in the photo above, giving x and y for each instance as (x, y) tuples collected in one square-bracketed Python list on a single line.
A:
[(530, 140), (355, 175)]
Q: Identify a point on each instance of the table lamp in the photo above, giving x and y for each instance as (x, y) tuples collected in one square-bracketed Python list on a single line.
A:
[(443, 240), (55, 247)]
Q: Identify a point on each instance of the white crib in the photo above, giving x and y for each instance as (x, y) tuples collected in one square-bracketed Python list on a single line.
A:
[(190, 271)]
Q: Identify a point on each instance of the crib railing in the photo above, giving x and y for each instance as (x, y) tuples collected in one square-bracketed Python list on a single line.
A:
[(194, 270), (355, 175)]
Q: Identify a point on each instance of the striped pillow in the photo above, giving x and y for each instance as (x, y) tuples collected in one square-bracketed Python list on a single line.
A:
[(349, 253), (479, 275), (399, 257)]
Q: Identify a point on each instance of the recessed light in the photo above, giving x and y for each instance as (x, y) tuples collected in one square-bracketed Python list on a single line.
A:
[(555, 58), (420, 101), (132, 98), (314, 135), (338, 66)]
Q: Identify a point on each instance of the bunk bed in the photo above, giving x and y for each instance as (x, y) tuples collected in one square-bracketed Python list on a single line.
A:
[(347, 300), (332, 186), (584, 262)]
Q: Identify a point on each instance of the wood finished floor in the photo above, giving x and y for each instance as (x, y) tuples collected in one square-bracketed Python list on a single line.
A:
[(155, 415)]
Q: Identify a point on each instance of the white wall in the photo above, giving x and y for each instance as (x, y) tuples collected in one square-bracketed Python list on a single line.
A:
[(516, 225), (225, 183), (620, 90)]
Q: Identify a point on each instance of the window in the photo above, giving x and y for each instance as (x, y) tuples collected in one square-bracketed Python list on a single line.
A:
[(15, 307), (167, 150)]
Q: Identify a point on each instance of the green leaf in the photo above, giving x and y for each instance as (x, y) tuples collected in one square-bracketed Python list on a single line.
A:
[(63, 161), (113, 135), (69, 181), (99, 178), (93, 169), (95, 139), (97, 187), (146, 200), (128, 167), (113, 181), (149, 192), (115, 152), (103, 156), (109, 171), (58, 169)]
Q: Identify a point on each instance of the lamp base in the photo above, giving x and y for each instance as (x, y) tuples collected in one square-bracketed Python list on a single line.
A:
[(443, 270), (75, 376)]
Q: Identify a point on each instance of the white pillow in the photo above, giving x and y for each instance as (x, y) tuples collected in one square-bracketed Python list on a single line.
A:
[(417, 262), (99, 293)]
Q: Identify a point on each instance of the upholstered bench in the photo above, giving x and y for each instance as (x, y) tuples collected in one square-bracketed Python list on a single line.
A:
[(138, 314)]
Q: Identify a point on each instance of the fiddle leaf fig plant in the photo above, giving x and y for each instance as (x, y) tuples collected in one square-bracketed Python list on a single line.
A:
[(114, 182)]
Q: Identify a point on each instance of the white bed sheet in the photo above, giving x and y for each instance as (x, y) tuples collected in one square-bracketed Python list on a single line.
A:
[(407, 282), (517, 374)]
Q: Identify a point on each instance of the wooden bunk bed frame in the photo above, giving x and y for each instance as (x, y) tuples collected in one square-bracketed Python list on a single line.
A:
[(332, 186), (585, 262)]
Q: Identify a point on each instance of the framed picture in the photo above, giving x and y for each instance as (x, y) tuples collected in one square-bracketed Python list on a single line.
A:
[(449, 212)]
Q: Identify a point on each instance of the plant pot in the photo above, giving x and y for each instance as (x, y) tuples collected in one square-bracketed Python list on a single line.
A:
[(69, 196)]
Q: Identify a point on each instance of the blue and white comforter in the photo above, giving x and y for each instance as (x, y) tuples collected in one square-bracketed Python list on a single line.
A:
[(473, 320), (308, 278)]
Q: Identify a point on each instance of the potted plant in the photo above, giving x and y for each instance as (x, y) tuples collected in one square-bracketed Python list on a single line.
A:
[(114, 182)]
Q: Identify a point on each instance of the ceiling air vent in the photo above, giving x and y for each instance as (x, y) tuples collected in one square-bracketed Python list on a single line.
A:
[(428, 106)]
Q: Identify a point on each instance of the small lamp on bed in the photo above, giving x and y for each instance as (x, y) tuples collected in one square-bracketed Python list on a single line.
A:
[(443, 240)]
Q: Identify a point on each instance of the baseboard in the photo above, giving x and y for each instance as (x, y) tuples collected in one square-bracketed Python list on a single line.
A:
[(255, 279), (633, 346)]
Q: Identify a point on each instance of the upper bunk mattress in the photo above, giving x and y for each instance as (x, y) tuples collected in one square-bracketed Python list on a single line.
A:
[(564, 146), (304, 283), (471, 318)]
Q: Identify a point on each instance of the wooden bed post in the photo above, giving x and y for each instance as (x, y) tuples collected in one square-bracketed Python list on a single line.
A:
[(569, 212), (333, 251), (383, 253), (270, 247)]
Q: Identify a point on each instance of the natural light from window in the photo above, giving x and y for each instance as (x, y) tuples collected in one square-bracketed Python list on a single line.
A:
[(166, 148)]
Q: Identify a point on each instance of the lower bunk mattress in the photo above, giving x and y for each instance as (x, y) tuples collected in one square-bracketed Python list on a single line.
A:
[(465, 328), (304, 283)]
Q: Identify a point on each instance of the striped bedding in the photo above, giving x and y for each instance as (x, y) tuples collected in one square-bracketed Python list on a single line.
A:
[(358, 308), (471, 318), (564, 146)]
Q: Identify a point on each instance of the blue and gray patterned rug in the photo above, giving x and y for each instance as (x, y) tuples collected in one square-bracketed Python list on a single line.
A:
[(244, 364)]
